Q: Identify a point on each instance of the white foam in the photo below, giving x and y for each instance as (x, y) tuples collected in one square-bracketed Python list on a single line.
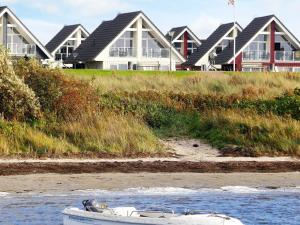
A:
[(242, 189), (3, 194)]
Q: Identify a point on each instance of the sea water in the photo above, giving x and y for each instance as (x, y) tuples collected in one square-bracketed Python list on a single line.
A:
[(252, 206)]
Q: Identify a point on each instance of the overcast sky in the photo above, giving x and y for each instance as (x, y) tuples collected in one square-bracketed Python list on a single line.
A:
[(46, 17)]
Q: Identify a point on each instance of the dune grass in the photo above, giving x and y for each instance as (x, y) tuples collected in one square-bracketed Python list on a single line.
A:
[(256, 85), (106, 135)]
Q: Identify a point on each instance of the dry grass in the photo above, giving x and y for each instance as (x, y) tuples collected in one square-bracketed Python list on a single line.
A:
[(19, 139), (111, 134), (263, 85), (257, 134)]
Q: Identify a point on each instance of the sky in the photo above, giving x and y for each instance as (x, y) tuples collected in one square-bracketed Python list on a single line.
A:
[(46, 17)]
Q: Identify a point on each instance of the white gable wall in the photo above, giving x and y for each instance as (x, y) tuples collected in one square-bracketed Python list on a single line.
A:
[(138, 59), (15, 22)]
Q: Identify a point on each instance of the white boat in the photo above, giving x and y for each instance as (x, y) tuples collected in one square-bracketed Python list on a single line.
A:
[(97, 214)]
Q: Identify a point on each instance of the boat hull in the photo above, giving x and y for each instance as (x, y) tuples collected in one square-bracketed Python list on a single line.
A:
[(79, 217)]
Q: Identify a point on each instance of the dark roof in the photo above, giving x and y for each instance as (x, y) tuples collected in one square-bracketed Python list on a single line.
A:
[(2, 8), (102, 36), (243, 38), (62, 35), (176, 30), (212, 40), (179, 30), (43, 49)]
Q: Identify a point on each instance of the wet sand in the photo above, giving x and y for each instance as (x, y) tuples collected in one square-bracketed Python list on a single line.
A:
[(41, 183)]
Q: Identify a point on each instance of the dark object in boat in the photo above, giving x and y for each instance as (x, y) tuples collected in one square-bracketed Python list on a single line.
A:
[(93, 206)]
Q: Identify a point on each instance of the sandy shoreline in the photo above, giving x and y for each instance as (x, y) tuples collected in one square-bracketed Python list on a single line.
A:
[(41, 183)]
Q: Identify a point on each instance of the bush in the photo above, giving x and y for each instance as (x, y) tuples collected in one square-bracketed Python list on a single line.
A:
[(60, 95), (17, 100), (287, 105)]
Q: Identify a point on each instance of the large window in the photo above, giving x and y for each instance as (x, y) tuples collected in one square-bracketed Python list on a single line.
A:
[(67, 49), (152, 48), (224, 44), (124, 46), (282, 44), (17, 44), (258, 50)]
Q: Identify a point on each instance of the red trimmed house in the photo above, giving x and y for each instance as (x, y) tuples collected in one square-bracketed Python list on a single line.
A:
[(184, 40), (264, 45)]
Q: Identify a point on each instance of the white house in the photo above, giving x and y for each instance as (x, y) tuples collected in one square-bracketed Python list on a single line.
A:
[(64, 43), (220, 39), (18, 39), (128, 42)]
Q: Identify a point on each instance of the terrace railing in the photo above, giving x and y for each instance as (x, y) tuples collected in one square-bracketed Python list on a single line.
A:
[(256, 56), (21, 49), (287, 56), (156, 53), (122, 52)]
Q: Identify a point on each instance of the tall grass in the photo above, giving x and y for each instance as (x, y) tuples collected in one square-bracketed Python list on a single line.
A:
[(257, 85), (257, 135), (111, 135)]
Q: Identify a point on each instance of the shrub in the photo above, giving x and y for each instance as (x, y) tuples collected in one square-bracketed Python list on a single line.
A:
[(60, 95), (17, 100)]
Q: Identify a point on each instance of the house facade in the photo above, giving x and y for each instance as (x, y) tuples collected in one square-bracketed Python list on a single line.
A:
[(184, 40), (18, 39), (66, 41), (220, 39), (264, 45), (129, 42)]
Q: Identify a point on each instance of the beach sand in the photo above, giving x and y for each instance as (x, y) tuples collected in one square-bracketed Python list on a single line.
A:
[(41, 183)]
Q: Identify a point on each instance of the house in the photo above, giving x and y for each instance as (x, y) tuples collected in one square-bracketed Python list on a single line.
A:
[(129, 42), (222, 37), (18, 39), (264, 45), (184, 40), (64, 43)]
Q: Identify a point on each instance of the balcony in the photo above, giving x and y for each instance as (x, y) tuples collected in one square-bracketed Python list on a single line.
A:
[(256, 56), (21, 49), (156, 53), (287, 56), (62, 56), (122, 52)]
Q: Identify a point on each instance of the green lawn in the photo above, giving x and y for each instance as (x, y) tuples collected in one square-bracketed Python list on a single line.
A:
[(95, 72)]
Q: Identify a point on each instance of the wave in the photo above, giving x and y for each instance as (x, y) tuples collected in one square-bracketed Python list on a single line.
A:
[(3, 194), (186, 191)]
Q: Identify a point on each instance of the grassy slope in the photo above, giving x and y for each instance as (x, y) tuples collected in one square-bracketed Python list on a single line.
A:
[(206, 105)]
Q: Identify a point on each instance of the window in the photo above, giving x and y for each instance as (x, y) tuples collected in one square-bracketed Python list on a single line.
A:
[(258, 49), (125, 41), (224, 44), (177, 45), (282, 43), (152, 48)]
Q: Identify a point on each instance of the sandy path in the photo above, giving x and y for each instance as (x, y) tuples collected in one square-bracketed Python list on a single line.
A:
[(118, 181), (190, 150)]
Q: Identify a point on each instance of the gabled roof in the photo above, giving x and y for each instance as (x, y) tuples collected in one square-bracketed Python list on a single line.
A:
[(4, 9), (243, 38), (103, 36), (62, 35), (178, 31), (210, 42)]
